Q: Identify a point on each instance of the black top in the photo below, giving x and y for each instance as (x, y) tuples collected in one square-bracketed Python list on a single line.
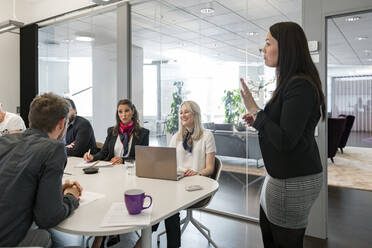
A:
[(80, 132), (286, 131), (107, 152), (31, 170)]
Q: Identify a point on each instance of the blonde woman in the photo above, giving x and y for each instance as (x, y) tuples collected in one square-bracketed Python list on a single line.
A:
[(195, 146), (196, 150)]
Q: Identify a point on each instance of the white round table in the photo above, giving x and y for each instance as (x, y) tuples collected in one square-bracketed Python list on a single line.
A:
[(169, 197)]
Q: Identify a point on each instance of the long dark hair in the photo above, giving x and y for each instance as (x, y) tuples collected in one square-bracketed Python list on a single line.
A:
[(136, 124), (294, 59)]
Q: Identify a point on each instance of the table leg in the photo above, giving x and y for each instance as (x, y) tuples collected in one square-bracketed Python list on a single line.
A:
[(146, 237)]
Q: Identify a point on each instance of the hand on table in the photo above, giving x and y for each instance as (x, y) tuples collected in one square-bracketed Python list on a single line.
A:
[(117, 160), (73, 188), (189, 172)]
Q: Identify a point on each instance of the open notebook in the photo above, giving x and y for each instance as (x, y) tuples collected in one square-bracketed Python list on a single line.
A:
[(85, 164)]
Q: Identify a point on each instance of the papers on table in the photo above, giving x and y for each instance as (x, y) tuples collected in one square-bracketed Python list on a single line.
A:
[(84, 164), (88, 197), (118, 216)]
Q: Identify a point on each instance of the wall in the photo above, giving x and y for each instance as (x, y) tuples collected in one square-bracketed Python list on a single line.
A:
[(313, 22), (9, 42)]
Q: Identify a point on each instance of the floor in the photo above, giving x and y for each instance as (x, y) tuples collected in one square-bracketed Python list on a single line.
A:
[(356, 139), (349, 214)]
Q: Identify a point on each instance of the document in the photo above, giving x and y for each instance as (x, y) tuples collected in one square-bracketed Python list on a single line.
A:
[(88, 197), (118, 216), (85, 164)]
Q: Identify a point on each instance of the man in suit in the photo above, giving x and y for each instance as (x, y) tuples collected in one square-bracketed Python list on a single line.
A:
[(80, 135), (31, 170)]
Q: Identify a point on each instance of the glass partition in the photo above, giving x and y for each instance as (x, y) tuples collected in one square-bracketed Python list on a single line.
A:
[(77, 59), (198, 50)]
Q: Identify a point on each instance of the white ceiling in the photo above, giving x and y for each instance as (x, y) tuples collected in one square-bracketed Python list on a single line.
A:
[(162, 25), (343, 46)]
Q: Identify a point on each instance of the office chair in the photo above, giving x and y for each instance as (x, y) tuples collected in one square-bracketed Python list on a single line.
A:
[(202, 204)]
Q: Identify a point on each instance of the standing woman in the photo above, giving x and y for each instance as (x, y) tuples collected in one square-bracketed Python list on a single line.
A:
[(286, 133), (123, 137)]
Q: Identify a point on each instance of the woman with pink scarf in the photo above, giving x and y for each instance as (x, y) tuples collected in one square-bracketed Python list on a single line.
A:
[(123, 137)]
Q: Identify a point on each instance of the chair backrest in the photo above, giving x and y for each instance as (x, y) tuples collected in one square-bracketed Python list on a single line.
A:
[(336, 128), (224, 126), (228, 144), (217, 169), (99, 145), (216, 176), (348, 126)]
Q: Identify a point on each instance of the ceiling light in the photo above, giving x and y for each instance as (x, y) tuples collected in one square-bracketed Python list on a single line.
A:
[(361, 38), (207, 10), (352, 18), (9, 25), (85, 37), (367, 51), (252, 33), (369, 60)]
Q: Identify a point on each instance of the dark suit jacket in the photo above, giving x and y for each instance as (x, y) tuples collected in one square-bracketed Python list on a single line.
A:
[(286, 131), (81, 132), (107, 152)]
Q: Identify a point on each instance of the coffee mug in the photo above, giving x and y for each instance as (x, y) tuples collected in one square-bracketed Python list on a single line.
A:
[(134, 199)]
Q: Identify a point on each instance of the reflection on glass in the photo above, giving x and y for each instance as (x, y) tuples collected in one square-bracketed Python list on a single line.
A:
[(77, 59), (209, 52)]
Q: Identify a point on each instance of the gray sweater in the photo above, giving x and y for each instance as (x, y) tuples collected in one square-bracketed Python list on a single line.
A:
[(31, 170)]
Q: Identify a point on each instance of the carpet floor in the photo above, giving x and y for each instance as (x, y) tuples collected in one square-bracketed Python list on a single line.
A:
[(352, 169)]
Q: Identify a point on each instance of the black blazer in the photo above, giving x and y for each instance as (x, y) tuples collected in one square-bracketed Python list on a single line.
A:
[(286, 131), (107, 152), (81, 132)]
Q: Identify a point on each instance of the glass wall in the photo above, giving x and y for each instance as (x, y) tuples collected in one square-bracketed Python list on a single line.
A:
[(77, 59), (198, 50)]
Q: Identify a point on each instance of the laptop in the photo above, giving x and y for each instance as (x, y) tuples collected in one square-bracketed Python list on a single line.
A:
[(157, 162)]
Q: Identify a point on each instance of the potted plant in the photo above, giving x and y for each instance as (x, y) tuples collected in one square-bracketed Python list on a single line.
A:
[(171, 125), (234, 108)]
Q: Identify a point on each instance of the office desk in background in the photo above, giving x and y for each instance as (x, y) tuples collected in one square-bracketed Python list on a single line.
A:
[(169, 197)]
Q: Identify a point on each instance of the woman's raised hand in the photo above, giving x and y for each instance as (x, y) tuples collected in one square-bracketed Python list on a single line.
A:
[(249, 102)]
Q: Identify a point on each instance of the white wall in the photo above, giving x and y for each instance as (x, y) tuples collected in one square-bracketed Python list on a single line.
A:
[(26, 11), (313, 22)]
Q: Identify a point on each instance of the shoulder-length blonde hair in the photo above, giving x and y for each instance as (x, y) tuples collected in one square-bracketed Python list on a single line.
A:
[(194, 108)]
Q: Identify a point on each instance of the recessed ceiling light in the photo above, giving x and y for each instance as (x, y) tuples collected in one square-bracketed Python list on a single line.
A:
[(370, 60), (367, 51), (352, 18), (105, 0), (252, 33), (361, 38), (84, 36), (207, 10)]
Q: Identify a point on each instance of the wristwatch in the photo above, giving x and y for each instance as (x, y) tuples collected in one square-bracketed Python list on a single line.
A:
[(256, 112)]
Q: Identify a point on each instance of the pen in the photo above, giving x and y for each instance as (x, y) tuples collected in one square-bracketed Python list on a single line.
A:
[(88, 152)]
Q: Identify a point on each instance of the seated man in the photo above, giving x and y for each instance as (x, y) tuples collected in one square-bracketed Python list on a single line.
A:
[(10, 123), (80, 135), (31, 170)]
